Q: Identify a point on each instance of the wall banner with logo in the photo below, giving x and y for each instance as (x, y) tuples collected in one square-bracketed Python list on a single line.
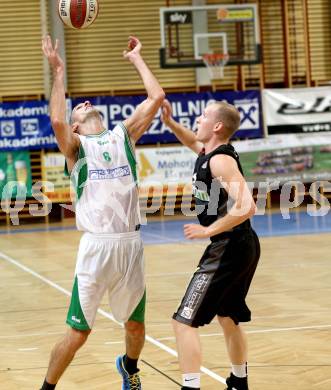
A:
[(299, 110), (53, 171), (187, 107), (287, 157), (26, 125), (165, 165), (15, 175), (278, 158)]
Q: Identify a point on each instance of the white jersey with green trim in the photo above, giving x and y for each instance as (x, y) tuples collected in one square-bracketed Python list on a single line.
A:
[(106, 183)]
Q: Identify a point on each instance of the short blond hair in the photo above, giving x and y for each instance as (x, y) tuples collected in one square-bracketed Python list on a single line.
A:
[(229, 116)]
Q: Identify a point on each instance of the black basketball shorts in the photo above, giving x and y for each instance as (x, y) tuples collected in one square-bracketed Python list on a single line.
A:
[(221, 282)]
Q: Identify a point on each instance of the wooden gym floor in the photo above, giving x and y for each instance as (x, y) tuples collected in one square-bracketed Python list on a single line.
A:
[(289, 337)]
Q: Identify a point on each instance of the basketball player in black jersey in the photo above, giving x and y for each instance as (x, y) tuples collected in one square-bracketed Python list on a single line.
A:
[(224, 205)]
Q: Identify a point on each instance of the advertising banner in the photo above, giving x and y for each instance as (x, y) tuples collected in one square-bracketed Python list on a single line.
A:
[(15, 175), (25, 125), (53, 171), (165, 165), (286, 157), (278, 158), (186, 107), (299, 110)]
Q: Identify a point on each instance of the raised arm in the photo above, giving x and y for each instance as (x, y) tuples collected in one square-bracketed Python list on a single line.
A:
[(67, 140), (141, 119), (184, 135)]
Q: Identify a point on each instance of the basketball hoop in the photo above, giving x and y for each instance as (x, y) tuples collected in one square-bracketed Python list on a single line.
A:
[(215, 63)]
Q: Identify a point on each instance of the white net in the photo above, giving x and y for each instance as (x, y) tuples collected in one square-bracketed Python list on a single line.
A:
[(215, 63)]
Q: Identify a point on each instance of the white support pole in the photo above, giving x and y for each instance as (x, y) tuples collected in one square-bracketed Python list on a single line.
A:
[(57, 32), (55, 28), (44, 32), (200, 25)]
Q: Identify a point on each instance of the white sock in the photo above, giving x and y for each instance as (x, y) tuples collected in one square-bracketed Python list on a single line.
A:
[(239, 370), (191, 380)]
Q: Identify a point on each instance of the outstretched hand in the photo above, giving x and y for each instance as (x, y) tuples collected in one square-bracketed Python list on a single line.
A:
[(192, 231), (52, 54), (134, 48), (166, 114)]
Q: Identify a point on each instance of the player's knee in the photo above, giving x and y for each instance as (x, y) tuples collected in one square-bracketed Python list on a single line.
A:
[(135, 329), (178, 327), (226, 323), (77, 338)]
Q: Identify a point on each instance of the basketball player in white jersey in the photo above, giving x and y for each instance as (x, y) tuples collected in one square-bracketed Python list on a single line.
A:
[(110, 257)]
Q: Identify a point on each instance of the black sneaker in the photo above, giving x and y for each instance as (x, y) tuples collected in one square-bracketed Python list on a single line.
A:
[(235, 383), (189, 388)]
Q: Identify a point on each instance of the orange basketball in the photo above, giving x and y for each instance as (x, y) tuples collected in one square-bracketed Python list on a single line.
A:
[(78, 14), (222, 13)]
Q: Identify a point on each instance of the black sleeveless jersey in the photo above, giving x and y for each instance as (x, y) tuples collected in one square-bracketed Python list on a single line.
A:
[(211, 198)]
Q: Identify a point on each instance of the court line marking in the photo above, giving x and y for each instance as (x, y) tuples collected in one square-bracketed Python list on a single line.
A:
[(44, 334), (260, 331), (164, 237), (27, 349), (147, 275), (171, 338), (17, 336), (162, 373), (321, 228), (105, 314), (322, 382)]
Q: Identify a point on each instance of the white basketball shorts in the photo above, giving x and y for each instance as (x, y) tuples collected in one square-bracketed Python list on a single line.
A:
[(112, 263)]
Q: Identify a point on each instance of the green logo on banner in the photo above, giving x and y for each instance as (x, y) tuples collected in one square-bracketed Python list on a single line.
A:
[(15, 175)]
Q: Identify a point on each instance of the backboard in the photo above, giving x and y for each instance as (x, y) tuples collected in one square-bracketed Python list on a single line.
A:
[(187, 33)]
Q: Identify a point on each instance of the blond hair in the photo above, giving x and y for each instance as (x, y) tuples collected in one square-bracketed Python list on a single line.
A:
[(229, 116)]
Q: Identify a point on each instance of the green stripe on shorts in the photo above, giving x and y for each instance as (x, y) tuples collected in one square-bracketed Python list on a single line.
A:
[(75, 317), (139, 313)]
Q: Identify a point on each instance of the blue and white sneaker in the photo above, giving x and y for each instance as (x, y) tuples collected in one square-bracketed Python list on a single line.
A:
[(130, 382)]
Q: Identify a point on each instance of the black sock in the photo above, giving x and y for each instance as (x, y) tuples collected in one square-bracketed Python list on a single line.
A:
[(188, 388), (47, 386), (130, 365)]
